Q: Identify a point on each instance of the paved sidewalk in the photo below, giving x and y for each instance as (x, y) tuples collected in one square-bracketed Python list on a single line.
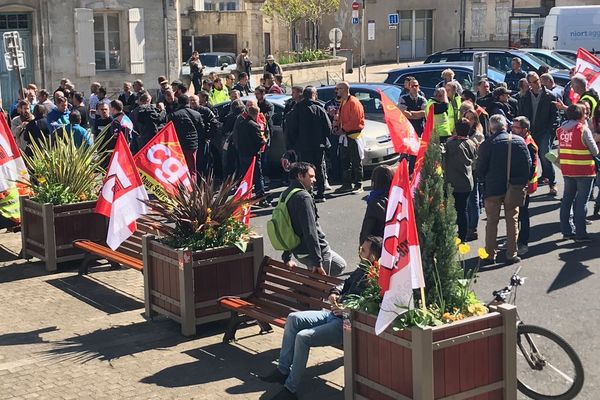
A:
[(63, 336)]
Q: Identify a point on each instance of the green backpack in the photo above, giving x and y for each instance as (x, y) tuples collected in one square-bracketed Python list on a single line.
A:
[(279, 228)]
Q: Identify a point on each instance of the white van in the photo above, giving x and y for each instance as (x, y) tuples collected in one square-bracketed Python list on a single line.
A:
[(569, 28)]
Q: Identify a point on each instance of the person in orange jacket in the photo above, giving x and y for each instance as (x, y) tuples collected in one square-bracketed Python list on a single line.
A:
[(350, 122)]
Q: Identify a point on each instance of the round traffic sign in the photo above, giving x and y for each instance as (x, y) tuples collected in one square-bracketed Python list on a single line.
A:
[(335, 35), (355, 5)]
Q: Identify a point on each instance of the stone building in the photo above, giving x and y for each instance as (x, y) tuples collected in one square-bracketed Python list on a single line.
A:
[(229, 26), (427, 26), (109, 41)]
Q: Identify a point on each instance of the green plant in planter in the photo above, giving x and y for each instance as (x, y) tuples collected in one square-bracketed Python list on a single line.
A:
[(62, 173), (448, 293), (203, 218)]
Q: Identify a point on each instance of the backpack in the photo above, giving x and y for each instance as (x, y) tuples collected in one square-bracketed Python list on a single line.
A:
[(279, 228)]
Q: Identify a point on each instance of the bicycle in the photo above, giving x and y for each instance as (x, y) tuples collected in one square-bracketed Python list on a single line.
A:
[(542, 351)]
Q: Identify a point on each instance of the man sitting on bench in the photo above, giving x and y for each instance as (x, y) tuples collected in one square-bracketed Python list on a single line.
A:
[(306, 329)]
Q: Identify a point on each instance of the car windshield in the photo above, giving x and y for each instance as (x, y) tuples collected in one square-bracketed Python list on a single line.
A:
[(532, 60), (495, 75), (209, 60), (565, 59)]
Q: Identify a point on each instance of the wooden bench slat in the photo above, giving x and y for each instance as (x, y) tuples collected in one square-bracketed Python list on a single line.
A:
[(292, 275), (332, 280), (255, 311), (109, 254), (285, 283), (302, 299)]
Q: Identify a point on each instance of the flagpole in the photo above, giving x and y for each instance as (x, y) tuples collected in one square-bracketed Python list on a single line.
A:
[(423, 306)]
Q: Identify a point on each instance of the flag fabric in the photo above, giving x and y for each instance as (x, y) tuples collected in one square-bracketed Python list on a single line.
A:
[(401, 270), (403, 134), (12, 174), (162, 165), (429, 123), (588, 65), (244, 191), (120, 197)]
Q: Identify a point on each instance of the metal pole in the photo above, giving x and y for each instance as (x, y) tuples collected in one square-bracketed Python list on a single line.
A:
[(335, 43), (362, 41), (14, 48), (398, 38)]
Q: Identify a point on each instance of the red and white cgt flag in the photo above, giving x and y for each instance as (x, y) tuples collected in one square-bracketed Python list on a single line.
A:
[(403, 134), (587, 65), (244, 191), (121, 194), (429, 123), (401, 270)]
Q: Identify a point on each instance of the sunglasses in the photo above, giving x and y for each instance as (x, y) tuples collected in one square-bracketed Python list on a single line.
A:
[(414, 85)]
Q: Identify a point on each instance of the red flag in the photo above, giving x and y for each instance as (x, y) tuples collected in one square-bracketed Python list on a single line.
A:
[(429, 123), (588, 65), (121, 194), (401, 270), (244, 191), (12, 173), (162, 165), (403, 134)]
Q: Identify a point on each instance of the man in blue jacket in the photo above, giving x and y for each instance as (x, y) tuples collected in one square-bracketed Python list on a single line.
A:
[(492, 168)]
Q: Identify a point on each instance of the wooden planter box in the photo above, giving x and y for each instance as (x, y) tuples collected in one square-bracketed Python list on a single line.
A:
[(48, 231), (186, 286), (474, 358)]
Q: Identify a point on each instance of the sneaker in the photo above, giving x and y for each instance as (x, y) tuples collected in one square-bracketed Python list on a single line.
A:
[(553, 191), (522, 249), (513, 260), (327, 186), (319, 198), (569, 236), (584, 239), (502, 245), (596, 209), (285, 394), (343, 189), (471, 235), (486, 262), (357, 189), (264, 203), (276, 376)]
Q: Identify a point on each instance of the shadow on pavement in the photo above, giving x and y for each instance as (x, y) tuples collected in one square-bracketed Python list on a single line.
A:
[(543, 209), (118, 341), (574, 269), (31, 337), (20, 271), (220, 362), (95, 294)]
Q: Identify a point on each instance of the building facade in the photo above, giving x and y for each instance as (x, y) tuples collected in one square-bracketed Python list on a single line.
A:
[(109, 41)]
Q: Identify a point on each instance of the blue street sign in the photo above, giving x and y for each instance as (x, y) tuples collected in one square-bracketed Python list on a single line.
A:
[(392, 19), (354, 21)]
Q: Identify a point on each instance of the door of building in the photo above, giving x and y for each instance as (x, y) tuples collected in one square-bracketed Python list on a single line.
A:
[(9, 83), (416, 33), (267, 43)]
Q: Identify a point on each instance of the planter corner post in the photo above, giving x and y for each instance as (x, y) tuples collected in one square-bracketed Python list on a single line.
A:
[(186, 287), (49, 237), (348, 358), (146, 239), (422, 360), (509, 316)]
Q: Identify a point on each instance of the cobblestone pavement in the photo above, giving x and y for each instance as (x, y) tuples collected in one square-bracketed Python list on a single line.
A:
[(63, 336)]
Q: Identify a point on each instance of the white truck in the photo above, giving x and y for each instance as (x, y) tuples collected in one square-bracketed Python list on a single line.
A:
[(569, 28)]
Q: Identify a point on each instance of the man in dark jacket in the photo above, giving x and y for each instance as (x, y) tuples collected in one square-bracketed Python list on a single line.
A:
[(188, 123), (492, 169), (538, 106), (313, 251), (147, 120), (249, 142), (308, 134), (318, 328), (513, 76)]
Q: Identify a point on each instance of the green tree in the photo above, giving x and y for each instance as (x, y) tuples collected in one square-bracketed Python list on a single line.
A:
[(315, 11), (287, 11), (436, 223)]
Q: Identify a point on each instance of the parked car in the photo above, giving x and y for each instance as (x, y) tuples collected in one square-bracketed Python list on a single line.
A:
[(379, 149), (570, 54), (500, 59), (429, 75), (367, 94), (552, 58), (213, 62)]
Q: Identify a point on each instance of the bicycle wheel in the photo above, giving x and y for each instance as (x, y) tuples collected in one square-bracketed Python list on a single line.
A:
[(547, 366)]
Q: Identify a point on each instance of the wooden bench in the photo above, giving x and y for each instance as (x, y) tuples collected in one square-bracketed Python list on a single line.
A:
[(129, 254), (279, 291)]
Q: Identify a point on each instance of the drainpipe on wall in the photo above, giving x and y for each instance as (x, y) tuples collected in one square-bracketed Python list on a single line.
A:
[(165, 28)]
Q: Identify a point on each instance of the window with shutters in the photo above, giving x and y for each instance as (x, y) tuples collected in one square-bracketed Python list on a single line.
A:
[(107, 41)]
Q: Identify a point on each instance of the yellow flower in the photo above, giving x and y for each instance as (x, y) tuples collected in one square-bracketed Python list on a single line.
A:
[(439, 170), (448, 317), (477, 309), (459, 316), (457, 241), (483, 254), (42, 180), (464, 248)]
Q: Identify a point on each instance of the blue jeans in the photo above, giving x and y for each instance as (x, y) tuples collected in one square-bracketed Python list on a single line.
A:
[(544, 142), (575, 197), (473, 208), (303, 330)]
